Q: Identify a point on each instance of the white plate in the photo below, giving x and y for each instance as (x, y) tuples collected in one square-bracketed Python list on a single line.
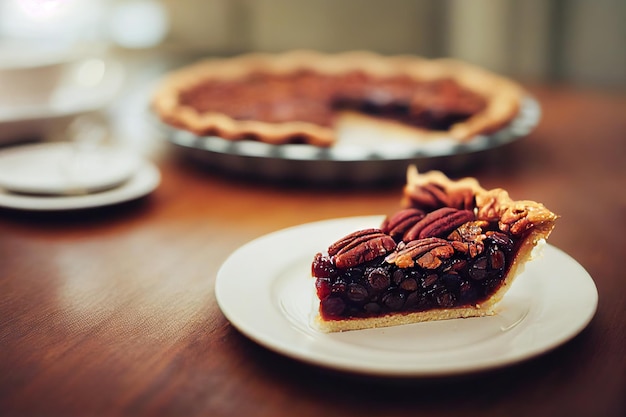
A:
[(144, 181), (61, 168), (265, 290)]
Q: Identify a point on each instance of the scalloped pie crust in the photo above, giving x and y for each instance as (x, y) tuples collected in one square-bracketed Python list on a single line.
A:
[(303, 96)]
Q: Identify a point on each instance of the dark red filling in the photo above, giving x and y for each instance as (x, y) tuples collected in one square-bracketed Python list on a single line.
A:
[(314, 97), (377, 287)]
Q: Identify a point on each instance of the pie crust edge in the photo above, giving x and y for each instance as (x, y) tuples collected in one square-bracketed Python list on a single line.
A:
[(502, 95)]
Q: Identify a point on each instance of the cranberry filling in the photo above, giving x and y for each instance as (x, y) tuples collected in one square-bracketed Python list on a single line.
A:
[(313, 97), (377, 287)]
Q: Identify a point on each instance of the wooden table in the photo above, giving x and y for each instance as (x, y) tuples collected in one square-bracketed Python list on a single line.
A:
[(112, 311)]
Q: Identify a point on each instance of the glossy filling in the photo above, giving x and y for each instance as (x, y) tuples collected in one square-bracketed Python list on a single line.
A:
[(313, 97), (377, 287)]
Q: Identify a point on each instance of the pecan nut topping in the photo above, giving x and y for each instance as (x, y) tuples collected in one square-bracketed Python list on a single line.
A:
[(359, 247), (399, 223), (515, 220), (350, 238), (438, 223), (434, 257), (468, 238), (427, 252), (431, 196), (471, 231), (514, 217)]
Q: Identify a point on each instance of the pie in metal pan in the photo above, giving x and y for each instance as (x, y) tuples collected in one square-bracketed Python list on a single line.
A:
[(306, 96)]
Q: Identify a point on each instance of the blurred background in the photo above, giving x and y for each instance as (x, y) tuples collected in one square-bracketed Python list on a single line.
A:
[(572, 40), (559, 40), (534, 41)]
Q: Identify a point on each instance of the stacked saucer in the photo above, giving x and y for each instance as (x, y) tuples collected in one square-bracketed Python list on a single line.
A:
[(64, 176)]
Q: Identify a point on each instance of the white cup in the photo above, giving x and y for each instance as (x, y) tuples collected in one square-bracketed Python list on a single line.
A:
[(30, 71)]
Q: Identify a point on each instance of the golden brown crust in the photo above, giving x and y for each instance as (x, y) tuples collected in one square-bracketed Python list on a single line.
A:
[(532, 220), (502, 96), (398, 319), (495, 204)]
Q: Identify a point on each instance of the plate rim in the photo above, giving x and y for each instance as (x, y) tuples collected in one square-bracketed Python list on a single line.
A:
[(145, 180), (284, 348), (37, 151)]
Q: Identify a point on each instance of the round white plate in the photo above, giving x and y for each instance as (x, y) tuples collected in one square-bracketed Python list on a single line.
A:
[(144, 181), (62, 168), (266, 291)]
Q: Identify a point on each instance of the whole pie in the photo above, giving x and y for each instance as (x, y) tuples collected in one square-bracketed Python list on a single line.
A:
[(451, 251), (303, 96)]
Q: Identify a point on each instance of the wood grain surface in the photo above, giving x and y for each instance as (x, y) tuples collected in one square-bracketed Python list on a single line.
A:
[(112, 311)]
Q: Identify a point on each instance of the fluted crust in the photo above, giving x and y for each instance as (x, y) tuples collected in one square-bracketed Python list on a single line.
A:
[(502, 96)]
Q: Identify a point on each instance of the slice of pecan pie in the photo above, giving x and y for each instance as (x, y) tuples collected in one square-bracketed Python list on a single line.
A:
[(452, 251), (303, 96)]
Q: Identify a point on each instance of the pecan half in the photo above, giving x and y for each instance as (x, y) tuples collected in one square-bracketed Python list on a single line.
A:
[(472, 248), (350, 238), (468, 238), (438, 223), (515, 220), (427, 252), (432, 196), (429, 197), (433, 258), (359, 247), (514, 217), (469, 232), (397, 224)]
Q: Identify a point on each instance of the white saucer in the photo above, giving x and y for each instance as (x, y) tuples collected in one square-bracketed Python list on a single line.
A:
[(62, 168), (266, 291), (145, 180)]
